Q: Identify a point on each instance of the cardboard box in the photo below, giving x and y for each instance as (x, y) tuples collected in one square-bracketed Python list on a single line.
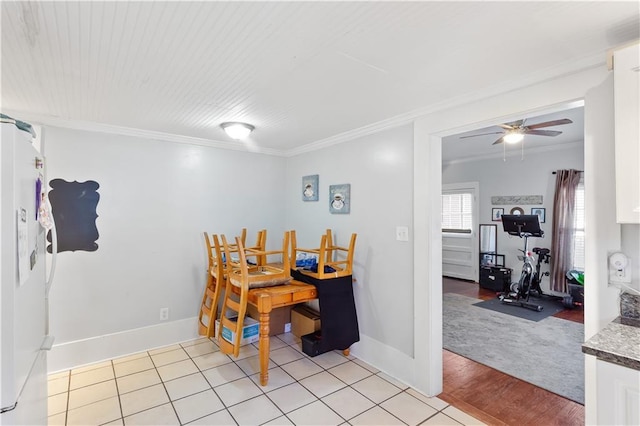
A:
[(279, 319), (304, 320), (250, 331)]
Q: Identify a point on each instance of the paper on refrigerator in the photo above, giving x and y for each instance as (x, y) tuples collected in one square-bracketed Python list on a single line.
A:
[(23, 246)]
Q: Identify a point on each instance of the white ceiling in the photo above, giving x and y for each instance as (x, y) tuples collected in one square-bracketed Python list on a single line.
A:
[(301, 72)]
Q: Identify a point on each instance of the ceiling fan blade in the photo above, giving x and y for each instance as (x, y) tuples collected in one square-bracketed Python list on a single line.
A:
[(498, 141), (481, 134), (550, 123), (543, 132), (506, 126)]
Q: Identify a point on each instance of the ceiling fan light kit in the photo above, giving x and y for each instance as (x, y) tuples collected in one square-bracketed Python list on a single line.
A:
[(513, 136), (237, 130)]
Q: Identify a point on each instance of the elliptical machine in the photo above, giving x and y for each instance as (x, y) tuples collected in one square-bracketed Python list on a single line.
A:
[(525, 226)]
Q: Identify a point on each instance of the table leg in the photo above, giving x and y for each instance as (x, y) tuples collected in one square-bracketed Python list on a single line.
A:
[(264, 308), (346, 352), (264, 348)]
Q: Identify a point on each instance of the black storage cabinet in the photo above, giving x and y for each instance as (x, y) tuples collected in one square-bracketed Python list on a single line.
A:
[(495, 278)]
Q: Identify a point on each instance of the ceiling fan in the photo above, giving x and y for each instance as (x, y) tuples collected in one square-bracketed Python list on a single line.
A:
[(514, 132)]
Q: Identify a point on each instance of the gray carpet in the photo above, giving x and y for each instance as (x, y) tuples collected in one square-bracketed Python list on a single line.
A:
[(547, 353)]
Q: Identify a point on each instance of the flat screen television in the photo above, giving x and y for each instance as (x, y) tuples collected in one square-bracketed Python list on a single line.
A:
[(522, 224)]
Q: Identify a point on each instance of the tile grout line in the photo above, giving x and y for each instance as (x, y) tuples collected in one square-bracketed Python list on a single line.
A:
[(347, 385), (296, 381), (225, 408), (117, 391), (164, 386), (317, 399), (224, 405), (66, 413)]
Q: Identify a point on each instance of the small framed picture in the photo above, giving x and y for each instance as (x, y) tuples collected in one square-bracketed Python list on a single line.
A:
[(496, 214), (340, 199), (310, 188), (540, 212)]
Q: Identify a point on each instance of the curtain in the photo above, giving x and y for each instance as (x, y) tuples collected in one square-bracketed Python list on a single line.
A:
[(563, 226)]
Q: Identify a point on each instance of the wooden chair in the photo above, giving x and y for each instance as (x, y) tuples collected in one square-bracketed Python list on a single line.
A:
[(215, 284), (215, 278), (241, 277), (260, 246), (340, 259)]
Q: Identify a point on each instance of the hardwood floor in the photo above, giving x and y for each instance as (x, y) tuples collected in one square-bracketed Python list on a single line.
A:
[(497, 398)]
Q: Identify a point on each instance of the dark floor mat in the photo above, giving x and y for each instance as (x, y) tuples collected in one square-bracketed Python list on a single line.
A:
[(549, 305)]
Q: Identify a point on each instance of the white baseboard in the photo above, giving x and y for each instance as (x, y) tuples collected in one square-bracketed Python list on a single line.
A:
[(389, 360), (68, 355)]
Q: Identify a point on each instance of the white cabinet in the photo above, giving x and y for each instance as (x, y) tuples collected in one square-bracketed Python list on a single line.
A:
[(626, 80), (618, 394)]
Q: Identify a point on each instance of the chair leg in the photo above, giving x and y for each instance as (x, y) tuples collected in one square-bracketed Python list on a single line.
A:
[(205, 307), (209, 308)]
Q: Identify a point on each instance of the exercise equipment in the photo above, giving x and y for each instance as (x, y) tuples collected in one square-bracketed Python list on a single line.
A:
[(526, 226)]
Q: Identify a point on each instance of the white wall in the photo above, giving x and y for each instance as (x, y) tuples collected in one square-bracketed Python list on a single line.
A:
[(156, 199), (630, 246), (379, 168), (515, 176), (602, 233)]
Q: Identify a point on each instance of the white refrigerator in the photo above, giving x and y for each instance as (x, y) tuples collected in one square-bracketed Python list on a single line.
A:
[(24, 336)]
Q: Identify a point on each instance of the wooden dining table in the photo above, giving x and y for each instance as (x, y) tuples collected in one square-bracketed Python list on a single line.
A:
[(266, 299)]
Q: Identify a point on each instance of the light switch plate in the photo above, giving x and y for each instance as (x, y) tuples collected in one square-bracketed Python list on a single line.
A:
[(402, 233)]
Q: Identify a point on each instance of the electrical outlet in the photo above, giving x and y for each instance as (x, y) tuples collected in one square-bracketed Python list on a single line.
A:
[(164, 314), (287, 327)]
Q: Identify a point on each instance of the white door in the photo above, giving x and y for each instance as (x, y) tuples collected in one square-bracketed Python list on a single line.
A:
[(460, 230)]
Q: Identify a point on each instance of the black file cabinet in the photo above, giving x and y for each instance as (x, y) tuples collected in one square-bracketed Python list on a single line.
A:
[(495, 278)]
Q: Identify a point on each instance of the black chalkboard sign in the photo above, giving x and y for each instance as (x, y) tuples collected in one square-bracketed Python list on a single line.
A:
[(73, 206)]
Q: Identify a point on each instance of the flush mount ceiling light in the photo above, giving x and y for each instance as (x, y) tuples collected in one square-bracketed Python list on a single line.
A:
[(513, 136), (237, 130)]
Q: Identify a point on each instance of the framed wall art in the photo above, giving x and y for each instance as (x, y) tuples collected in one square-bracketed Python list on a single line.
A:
[(540, 212), (496, 214), (506, 200), (340, 198), (310, 188)]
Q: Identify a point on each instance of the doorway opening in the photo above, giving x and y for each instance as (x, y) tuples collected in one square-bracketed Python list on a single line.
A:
[(516, 172)]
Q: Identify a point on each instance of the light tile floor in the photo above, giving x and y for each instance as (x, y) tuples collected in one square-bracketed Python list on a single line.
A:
[(194, 383)]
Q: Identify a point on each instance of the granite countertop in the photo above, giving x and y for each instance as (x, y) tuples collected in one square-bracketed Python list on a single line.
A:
[(618, 343)]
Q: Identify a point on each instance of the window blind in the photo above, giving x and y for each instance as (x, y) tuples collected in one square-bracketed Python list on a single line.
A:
[(457, 212)]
